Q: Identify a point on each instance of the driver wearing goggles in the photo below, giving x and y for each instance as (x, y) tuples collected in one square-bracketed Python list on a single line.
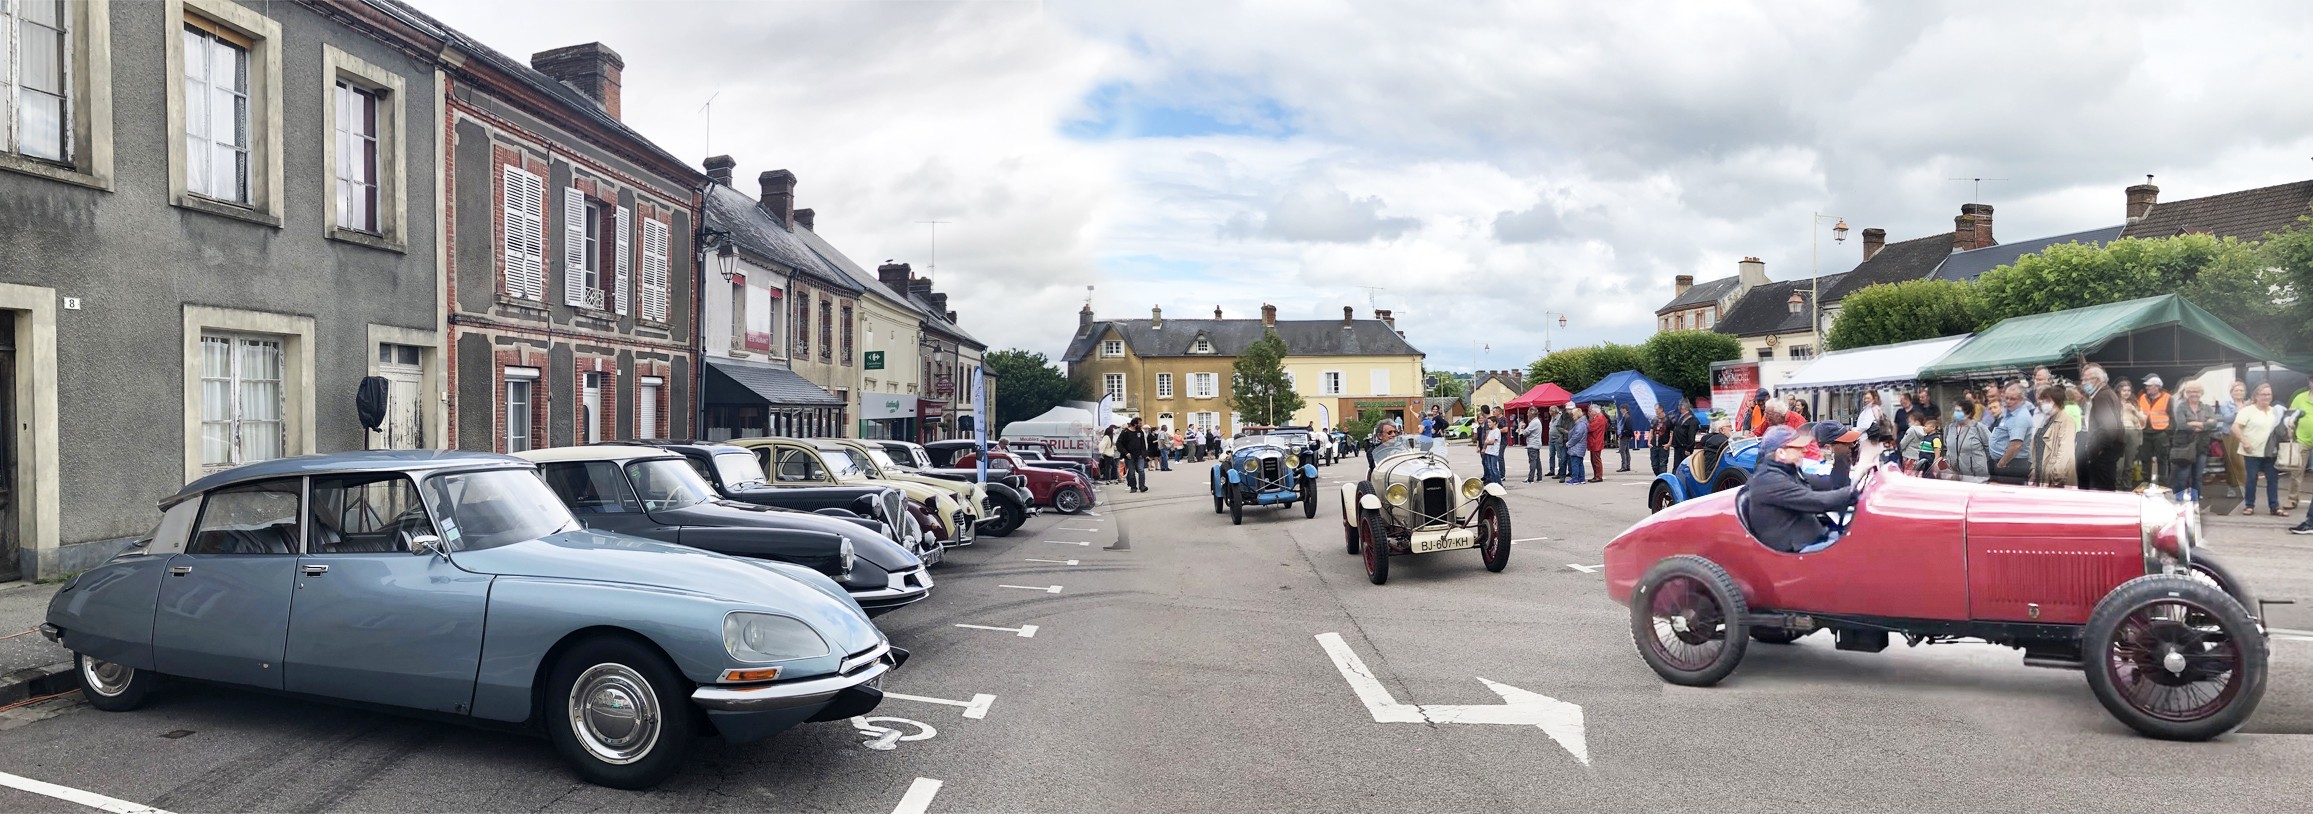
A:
[(1786, 510)]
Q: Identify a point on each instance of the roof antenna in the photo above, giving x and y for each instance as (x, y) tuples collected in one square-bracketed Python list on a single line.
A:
[(1979, 193), (709, 127), (1370, 301)]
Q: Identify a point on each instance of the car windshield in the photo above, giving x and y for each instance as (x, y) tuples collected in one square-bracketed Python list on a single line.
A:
[(496, 507), (739, 469), (841, 463), (882, 459), (668, 483)]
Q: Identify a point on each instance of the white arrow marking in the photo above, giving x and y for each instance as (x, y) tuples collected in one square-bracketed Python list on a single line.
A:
[(1560, 720), (919, 797), (1062, 562), (1065, 542), (976, 708), (1025, 631), (1050, 589), (1587, 569)]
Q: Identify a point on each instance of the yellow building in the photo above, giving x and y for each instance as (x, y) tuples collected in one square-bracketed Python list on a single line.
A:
[(1176, 373), (1494, 388)]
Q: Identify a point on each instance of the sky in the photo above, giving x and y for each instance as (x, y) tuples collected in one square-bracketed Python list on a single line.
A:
[(1476, 168)]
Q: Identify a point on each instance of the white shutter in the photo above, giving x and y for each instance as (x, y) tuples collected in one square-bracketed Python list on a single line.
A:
[(573, 247), (654, 273), (620, 295), (522, 234)]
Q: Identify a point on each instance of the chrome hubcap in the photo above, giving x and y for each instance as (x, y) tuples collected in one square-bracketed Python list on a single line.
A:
[(614, 713), (106, 678), (2174, 662)]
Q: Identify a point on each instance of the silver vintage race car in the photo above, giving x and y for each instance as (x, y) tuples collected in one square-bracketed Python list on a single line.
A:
[(1411, 503)]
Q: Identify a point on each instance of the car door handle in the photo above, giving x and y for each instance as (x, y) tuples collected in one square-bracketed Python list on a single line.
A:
[(313, 569), (180, 570)]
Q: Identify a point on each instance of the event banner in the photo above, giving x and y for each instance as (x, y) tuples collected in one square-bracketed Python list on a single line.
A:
[(1731, 383)]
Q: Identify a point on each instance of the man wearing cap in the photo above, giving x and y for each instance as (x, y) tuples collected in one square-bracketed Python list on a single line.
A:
[(2154, 449), (1835, 446), (1786, 513)]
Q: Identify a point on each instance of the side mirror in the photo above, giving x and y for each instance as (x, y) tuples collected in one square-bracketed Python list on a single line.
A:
[(428, 544)]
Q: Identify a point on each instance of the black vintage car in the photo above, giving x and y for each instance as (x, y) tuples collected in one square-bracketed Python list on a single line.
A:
[(656, 494), (738, 475), (1010, 501)]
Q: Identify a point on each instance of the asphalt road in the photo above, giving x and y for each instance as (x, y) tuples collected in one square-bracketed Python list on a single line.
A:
[(1178, 667)]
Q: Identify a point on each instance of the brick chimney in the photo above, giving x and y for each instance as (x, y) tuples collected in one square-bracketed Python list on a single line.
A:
[(1216, 312), (1083, 317), (1681, 283), (1383, 315), (1156, 316), (1874, 239), (939, 302), (895, 276), (1348, 315), (778, 194), (591, 69), (1268, 315), (1751, 273), (719, 169), (2141, 198), (951, 317), (1972, 228), (920, 287), (803, 217)]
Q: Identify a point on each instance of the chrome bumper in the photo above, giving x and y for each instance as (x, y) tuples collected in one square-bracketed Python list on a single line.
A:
[(864, 669)]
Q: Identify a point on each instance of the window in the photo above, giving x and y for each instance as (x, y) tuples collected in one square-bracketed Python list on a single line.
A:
[(847, 335), (646, 421), (521, 386), (803, 326), (655, 279), (590, 409), (216, 65), (524, 210), (1203, 346), (1802, 352), (1208, 421), (1164, 385), (826, 330), (1681, 322), (591, 487), (1112, 347), (1380, 377), (1704, 320), (595, 244), (590, 268), (1201, 385), (256, 518), (241, 400), (797, 466), (1113, 385), (494, 507), (1766, 354), (739, 326), (33, 80), (366, 514), (357, 158), (1331, 385)]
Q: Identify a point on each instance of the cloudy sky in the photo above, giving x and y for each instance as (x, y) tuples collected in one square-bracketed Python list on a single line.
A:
[(1468, 165)]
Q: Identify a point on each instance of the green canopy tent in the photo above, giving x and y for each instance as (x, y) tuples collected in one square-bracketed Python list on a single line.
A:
[(2164, 334)]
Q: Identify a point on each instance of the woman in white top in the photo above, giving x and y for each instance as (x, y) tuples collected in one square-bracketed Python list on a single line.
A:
[(2253, 429)]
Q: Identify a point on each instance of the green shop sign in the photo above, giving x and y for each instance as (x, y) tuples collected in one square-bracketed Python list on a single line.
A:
[(874, 360), (1380, 405)]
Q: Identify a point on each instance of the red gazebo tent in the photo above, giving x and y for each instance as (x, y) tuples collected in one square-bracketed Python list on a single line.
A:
[(1543, 395)]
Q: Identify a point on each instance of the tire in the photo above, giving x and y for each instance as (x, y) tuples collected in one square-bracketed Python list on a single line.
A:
[(2216, 572), (2128, 646), (1068, 500), (1349, 517), (1729, 480), (1011, 514), (1236, 506), (1659, 497), (1376, 551), (113, 687), (1708, 626), (620, 674), (1494, 532), (1777, 635), (1309, 499)]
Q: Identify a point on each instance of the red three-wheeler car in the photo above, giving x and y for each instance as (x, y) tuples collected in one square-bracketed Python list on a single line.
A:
[(2112, 584)]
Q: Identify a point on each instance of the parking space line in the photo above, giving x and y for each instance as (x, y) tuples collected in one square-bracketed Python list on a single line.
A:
[(1024, 631), (1062, 562), (76, 796), (1071, 528), (2290, 635), (975, 709), (1050, 589), (1067, 542), (918, 798)]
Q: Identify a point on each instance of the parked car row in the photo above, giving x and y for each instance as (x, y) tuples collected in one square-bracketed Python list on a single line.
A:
[(621, 599)]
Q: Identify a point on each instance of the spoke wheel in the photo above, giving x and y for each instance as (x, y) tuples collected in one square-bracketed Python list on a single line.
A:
[(1659, 497), (1375, 549), (1494, 533), (1687, 617), (2175, 658), (1069, 500), (1309, 499)]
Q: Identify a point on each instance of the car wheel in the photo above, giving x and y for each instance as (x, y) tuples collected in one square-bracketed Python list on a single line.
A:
[(1009, 512), (1659, 497), (1236, 507), (619, 713), (1376, 550), (1068, 500), (113, 687), (1309, 499), (1494, 532), (1729, 480), (1350, 516), (1777, 635), (2174, 658), (1687, 617), (2208, 568)]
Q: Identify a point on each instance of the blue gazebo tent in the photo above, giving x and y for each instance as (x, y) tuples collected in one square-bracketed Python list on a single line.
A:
[(1631, 393)]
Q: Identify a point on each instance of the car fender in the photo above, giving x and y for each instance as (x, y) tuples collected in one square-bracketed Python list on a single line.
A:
[(1349, 504), (1309, 471), (1233, 478), (107, 612), (1671, 481), (1496, 490), (1216, 480)]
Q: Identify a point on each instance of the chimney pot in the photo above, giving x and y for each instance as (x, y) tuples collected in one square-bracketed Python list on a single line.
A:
[(1083, 317), (591, 69), (2141, 199), (1268, 315), (1972, 228), (719, 169), (1383, 314), (1681, 283), (951, 317), (1216, 312), (778, 194), (1156, 316), (803, 217), (896, 275), (1874, 239)]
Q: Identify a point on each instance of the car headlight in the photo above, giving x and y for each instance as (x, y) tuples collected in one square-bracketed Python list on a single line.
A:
[(844, 551), (1395, 494), (761, 637), (1250, 465), (1472, 488)]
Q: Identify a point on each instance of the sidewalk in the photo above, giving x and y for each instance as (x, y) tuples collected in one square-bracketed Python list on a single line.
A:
[(29, 664)]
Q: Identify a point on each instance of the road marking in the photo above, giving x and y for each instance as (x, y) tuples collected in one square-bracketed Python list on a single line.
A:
[(1528, 539), (1025, 631), (919, 797), (1062, 562), (1587, 569), (975, 709), (1050, 589), (1066, 542), (1072, 528), (1560, 720), (2291, 635), (76, 796)]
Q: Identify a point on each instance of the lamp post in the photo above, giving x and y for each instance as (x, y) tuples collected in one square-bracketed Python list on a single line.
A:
[(1815, 274), (1546, 315)]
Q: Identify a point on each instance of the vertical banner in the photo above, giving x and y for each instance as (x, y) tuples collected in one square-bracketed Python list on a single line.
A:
[(1732, 382), (980, 417)]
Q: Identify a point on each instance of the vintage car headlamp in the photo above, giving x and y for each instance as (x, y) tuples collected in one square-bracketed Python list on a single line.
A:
[(1250, 465), (2167, 531), (1395, 494), (1472, 488), (762, 637), (845, 553)]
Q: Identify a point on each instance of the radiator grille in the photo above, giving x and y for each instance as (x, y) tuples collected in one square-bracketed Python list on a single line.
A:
[(1437, 497), (1271, 469)]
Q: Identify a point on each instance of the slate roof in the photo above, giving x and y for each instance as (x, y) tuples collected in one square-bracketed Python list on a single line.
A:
[(1701, 294), (868, 282), (1230, 337), (1971, 264), (1913, 259), (1766, 309), (2248, 214), (777, 385), (758, 234)]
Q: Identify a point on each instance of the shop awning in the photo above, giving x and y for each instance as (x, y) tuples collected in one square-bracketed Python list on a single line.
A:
[(1873, 367), (1545, 394), (2164, 332), (739, 381)]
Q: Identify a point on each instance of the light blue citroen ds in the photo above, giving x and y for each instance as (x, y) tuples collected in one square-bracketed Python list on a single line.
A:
[(457, 583)]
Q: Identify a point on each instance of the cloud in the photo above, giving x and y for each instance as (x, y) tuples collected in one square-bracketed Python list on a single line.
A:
[(1321, 213)]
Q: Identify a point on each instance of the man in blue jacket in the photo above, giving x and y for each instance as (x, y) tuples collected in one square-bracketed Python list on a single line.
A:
[(1786, 512)]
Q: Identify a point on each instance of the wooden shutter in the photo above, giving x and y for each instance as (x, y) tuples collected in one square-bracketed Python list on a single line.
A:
[(573, 247), (523, 234), (618, 294), (654, 274)]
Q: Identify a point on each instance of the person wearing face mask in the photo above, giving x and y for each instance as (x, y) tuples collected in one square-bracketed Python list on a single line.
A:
[(2054, 463), (1786, 512), (2012, 438)]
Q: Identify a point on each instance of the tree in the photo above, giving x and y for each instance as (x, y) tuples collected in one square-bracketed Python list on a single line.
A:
[(1362, 426), (1569, 368), (1262, 393), (1027, 385), (2064, 277), (1682, 359), (1905, 311), (2252, 286), (1448, 387)]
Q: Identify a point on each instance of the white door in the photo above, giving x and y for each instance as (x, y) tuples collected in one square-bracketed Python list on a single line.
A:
[(404, 426), (646, 418), (590, 421)]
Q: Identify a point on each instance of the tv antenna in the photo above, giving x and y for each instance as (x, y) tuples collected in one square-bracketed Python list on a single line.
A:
[(1371, 301), (1979, 182), (709, 110), (935, 266)]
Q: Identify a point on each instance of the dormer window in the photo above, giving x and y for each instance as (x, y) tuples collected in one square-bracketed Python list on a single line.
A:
[(1112, 347), (1203, 346)]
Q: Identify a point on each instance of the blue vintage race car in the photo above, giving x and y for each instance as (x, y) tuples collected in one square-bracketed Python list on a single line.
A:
[(1264, 471), (1717, 465)]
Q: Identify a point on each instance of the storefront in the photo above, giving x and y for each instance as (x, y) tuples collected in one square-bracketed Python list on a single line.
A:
[(746, 399), (888, 416), (932, 421), (1404, 409)]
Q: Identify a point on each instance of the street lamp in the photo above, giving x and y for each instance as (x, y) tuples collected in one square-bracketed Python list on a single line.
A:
[(1815, 274), (1546, 315), (726, 252)]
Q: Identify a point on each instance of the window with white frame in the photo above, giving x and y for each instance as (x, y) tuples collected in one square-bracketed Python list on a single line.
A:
[(1380, 381), (1201, 385), (1208, 421), (1164, 385), (1331, 385), (1112, 347), (1801, 353), (241, 399), (655, 279), (216, 65), (524, 209), (1203, 345), (1113, 385), (34, 80), (357, 157), (595, 245), (521, 392), (363, 111)]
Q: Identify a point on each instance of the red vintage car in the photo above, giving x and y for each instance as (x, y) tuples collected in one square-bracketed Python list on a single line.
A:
[(1060, 490), (2109, 583)]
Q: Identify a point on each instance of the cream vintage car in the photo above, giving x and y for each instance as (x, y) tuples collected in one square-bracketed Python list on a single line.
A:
[(1411, 503)]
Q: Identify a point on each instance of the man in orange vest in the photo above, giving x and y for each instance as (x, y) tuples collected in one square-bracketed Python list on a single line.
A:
[(2154, 402)]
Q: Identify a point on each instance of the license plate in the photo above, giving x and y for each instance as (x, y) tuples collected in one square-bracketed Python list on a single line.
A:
[(1448, 540)]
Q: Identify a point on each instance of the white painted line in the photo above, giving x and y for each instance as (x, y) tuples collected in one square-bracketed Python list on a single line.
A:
[(1025, 631), (1050, 589), (975, 709), (1091, 514), (1062, 562), (76, 796), (2290, 635), (1065, 542), (919, 797), (1528, 539), (1072, 528), (1587, 569), (1560, 720)]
